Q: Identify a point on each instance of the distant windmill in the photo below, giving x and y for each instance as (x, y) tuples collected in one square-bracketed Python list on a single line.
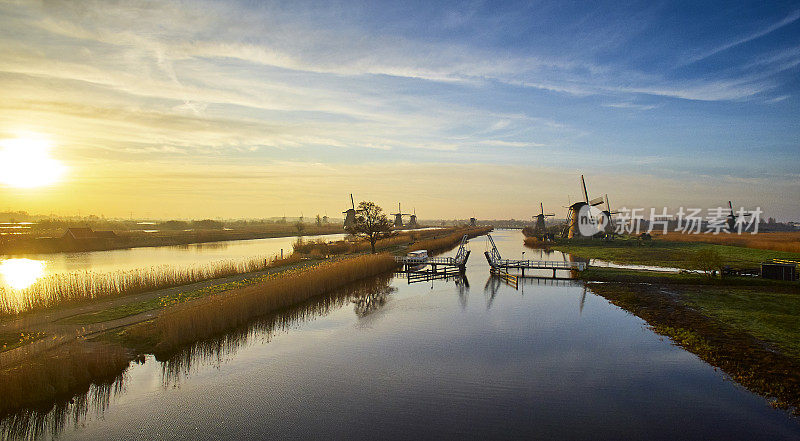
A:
[(571, 230), (413, 221), (540, 224), (398, 217), (350, 214), (609, 217), (733, 218)]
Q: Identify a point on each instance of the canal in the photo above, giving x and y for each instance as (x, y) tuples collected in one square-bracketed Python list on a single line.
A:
[(465, 357)]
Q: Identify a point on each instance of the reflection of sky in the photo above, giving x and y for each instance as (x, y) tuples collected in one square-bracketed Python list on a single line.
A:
[(697, 101), (426, 365)]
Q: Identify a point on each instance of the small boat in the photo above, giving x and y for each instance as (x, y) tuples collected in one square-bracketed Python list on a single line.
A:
[(419, 255)]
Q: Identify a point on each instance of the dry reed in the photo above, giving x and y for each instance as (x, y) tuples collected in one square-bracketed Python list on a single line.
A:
[(203, 318), (58, 289), (784, 241), (533, 242)]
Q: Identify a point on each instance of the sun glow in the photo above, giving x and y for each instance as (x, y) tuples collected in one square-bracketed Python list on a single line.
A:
[(26, 163), (21, 273)]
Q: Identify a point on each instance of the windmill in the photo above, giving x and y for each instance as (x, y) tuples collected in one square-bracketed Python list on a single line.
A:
[(733, 219), (350, 214), (571, 229), (609, 218), (398, 217), (413, 221), (540, 225)]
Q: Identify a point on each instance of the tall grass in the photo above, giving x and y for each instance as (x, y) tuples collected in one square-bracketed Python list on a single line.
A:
[(58, 289), (321, 247), (533, 242), (784, 241), (203, 318)]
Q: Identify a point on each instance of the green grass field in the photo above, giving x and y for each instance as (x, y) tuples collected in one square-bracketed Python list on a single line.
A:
[(668, 254), (770, 315)]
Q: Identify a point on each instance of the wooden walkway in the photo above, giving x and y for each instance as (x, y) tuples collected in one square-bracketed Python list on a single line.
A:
[(501, 266), (459, 261)]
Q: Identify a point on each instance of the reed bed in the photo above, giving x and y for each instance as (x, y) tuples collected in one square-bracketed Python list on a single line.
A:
[(59, 289), (59, 374), (533, 242), (321, 247), (203, 318), (783, 241), (446, 242)]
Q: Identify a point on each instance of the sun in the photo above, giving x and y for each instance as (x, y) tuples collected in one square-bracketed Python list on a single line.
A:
[(26, 163)]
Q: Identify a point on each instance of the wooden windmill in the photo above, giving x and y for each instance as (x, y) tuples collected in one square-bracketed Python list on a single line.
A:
[(413, 221), (733, 219), (398, 217), (350, 214), (540, 227), (571, 229), (609, 218)]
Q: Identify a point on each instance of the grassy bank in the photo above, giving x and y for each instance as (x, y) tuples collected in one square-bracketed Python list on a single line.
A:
[(32, 244), (757, 348), (71, 288), (598, 274), (668, 254), (776, 241)]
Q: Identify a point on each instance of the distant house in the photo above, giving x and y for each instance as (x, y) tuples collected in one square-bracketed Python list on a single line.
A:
[(88, 234)]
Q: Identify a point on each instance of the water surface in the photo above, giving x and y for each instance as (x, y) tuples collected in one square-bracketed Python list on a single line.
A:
[(453, 358)]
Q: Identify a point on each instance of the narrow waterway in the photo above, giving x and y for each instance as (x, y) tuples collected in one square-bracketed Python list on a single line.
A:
[(19, 272), (465, 357)]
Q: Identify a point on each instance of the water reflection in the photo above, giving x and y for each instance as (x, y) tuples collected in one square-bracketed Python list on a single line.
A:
[(21, 273), (367, 297), (34, 424)]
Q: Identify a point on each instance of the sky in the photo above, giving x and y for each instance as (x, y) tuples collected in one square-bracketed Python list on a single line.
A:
[(190, 109)]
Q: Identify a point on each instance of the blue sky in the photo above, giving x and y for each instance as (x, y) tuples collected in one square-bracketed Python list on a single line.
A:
[(455, 108)]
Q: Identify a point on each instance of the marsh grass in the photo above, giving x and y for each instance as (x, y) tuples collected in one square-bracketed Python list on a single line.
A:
[(60, 289), (533, 242), (323, 248), (209, 316)]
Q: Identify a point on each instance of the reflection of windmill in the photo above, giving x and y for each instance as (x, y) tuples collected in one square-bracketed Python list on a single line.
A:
[(733, 219), (398, 217), (571, 230), (350, 214)]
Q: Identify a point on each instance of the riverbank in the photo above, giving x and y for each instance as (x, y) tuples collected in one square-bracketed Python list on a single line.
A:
[(684, 255), (161, 322), (27, 244)]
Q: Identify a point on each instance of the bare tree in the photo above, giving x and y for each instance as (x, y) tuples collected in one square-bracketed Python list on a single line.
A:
[(370, 223)]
